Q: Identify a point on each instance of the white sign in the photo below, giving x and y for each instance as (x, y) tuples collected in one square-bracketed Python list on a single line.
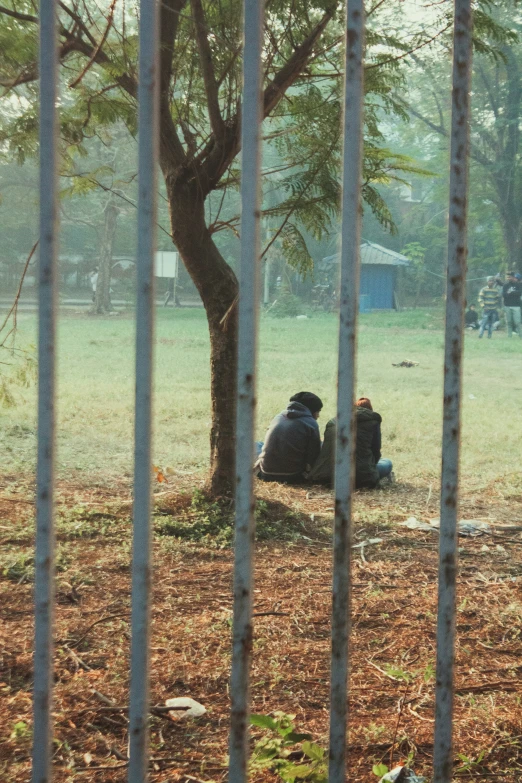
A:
[(166, 263)]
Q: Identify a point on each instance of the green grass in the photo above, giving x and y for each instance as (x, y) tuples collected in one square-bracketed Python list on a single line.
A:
[(96, 388)]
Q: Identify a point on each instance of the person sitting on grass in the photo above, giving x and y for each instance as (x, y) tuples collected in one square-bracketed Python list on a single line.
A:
[(471, 317), (293, 442), (370, 467)]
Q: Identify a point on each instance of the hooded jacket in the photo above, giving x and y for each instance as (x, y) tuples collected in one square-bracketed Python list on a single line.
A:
[(367, 451), (292, 444)]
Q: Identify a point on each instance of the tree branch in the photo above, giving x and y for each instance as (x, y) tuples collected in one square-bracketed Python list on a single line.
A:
[(171, 149), (92, 59), (207, 69), (13, 310), (286, 76), (219, 153), (17, 15), (30, 73), (475, 153)]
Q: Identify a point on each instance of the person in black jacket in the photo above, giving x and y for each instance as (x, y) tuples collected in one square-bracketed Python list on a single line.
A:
[(471, 318), (293, 442), (370, 467), (511, 294)]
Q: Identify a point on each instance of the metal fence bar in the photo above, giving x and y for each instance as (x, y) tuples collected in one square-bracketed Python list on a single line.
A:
[(246, 387), (141, 562), (345, 448), (47, 298), (455, 305)]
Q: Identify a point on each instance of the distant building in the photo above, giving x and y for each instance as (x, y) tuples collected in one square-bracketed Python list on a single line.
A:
[(378, 274)]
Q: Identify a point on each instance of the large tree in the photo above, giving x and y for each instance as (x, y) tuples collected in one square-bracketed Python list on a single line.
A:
[(200, 88)]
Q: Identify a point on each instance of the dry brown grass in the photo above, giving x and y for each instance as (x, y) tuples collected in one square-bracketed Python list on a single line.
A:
[(393, 635)]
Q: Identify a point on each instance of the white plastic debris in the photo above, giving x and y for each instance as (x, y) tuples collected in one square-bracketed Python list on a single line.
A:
[(367, 542), (402, 775), (184, 707), (472, 396), (467, 527), (412, 523)]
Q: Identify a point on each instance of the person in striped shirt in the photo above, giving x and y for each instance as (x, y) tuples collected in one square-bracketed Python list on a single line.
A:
[(490, 300)]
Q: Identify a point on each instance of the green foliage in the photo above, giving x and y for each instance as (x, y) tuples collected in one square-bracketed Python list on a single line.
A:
[(303, 133), (212, 522), (21, 731), (21, 569), (380, 770), (19, 371), (287, 305), (470, 764), (289, 754), (398, 673)]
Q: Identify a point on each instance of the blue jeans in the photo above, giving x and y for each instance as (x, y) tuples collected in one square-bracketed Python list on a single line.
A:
[(489, 318), (258, 446), (384, 467)]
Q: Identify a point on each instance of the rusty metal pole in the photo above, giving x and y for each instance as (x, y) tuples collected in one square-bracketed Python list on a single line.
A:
[(47, 306), (148, 122), (455, 306), (345, 447), (249, 274)]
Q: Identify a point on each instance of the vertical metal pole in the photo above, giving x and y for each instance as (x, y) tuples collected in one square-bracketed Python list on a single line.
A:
[(141, 562), (47, 300), (246, 387), (455, 305), (349, 305)]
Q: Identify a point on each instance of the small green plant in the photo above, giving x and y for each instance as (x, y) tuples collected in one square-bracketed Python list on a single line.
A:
[(380, 770), (21, 569), (287, 753), (397, 673), (373, 732), (469, 764), (203, 521), (429, 673), (21, 731)]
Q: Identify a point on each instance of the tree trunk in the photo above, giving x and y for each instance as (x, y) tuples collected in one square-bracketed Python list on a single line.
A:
[(506, 171), (218, 288), (102, 300)]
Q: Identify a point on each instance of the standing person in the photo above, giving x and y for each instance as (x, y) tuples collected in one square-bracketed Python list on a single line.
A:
[(490, 301), (293, 442), (370, 467), (170, 291), (94, 282), (511, 293)]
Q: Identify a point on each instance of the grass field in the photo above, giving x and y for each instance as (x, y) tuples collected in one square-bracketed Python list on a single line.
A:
[(394, 569), (96, 391)]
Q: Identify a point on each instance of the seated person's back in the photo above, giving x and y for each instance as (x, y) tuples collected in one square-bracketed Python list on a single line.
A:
[(293, 442), (369, 467)]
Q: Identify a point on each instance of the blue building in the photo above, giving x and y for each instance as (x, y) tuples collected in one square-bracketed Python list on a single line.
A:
[(378, 275)]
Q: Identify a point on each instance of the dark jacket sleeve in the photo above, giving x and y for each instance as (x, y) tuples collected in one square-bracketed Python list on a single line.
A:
[(376, 443), (314, 448), (322, 471)]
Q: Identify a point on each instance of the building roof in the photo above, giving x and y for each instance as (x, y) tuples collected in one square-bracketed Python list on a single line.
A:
[(372, 253)]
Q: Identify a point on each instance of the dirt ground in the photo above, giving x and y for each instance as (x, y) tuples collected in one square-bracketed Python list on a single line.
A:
[(392, 654)]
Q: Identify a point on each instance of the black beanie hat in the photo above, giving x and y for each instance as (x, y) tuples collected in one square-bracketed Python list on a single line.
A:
[(311, 401)]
